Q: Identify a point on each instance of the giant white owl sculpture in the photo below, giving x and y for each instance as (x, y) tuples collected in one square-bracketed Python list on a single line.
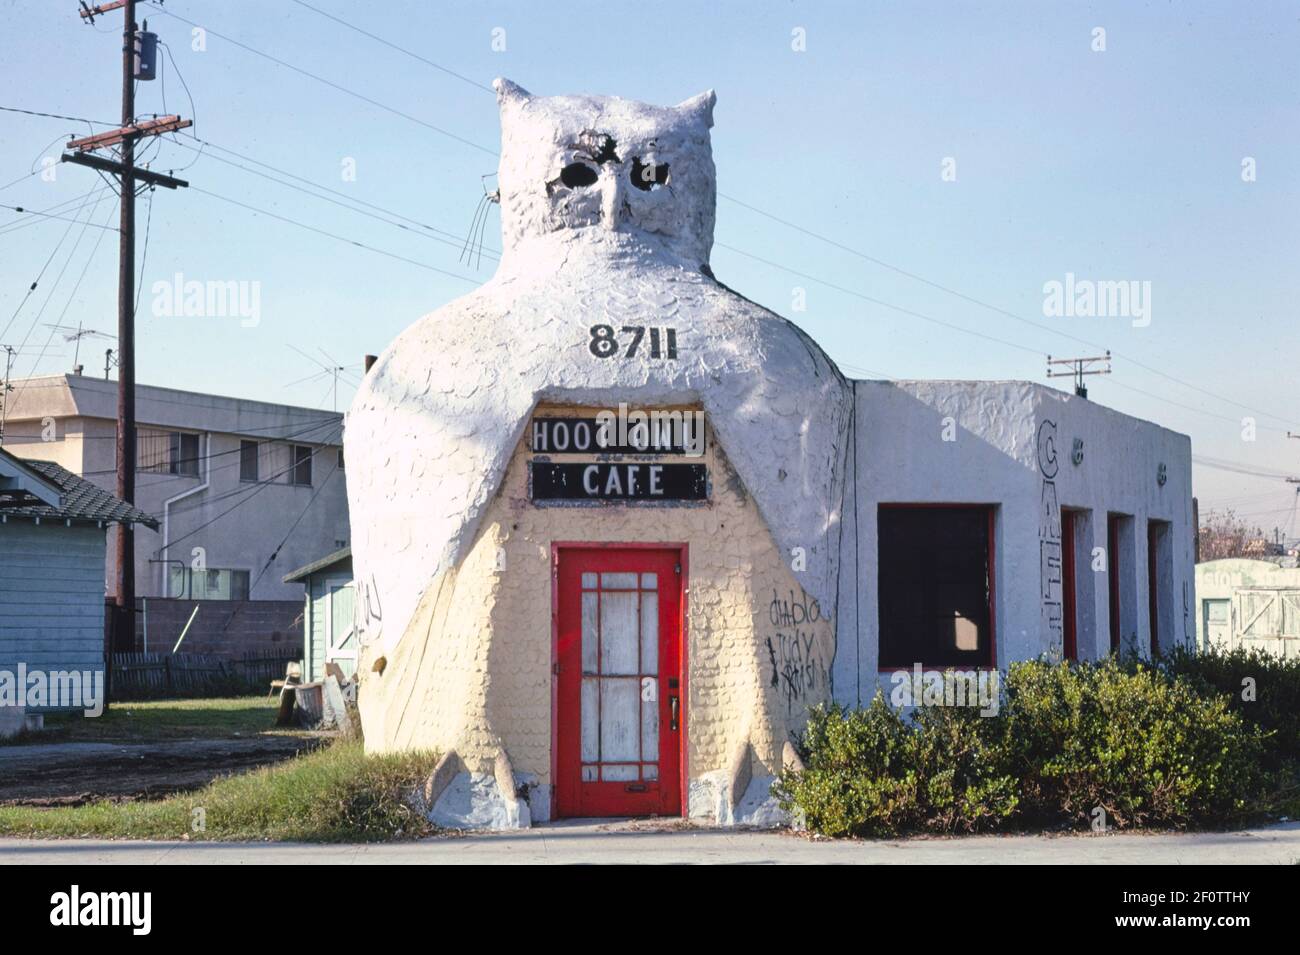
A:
[(607, 211)]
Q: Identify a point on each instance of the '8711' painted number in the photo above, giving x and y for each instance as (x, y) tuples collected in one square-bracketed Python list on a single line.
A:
[(605, 344)]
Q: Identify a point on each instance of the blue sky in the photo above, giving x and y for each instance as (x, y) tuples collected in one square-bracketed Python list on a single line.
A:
[(1117, 165)]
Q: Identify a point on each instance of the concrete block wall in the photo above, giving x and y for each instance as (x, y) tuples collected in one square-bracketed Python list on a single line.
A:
[(227, 628)]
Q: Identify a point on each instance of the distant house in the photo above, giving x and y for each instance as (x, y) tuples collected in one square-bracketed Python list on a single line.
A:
[(53, 529), (328, 632), (1248, 603), (238, 485)]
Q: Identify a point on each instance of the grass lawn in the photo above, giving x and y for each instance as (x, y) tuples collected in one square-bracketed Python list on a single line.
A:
[(335, 794), (155, 720)]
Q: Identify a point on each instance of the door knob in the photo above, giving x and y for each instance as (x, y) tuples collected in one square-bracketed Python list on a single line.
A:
[(674, 706)]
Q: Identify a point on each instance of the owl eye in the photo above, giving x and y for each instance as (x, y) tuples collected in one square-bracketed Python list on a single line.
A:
[(577, 174), (647, 177)]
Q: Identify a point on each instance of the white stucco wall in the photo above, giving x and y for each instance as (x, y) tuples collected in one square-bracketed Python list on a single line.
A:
[(903, 458)]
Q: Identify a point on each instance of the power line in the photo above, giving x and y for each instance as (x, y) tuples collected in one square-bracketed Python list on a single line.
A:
[(784, 222), (394, 46), (74, 119), (344, 204), (329, 83), (335, 235), (36, 282), (839, 245)]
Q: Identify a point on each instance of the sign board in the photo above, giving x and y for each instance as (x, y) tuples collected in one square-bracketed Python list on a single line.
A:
[(654, 432), (617, 481)]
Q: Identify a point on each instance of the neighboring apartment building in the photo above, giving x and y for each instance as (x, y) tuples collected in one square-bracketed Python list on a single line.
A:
[(233, 483)]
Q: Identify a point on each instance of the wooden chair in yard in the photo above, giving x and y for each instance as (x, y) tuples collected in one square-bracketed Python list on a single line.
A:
[(292, 677)]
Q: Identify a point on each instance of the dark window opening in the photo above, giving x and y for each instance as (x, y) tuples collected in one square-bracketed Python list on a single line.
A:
[(301, 465), (578, 174), (184, 454), (248, 460), (936, 586)]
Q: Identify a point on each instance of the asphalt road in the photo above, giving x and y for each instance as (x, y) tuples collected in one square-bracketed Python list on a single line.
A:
[(627, 842)]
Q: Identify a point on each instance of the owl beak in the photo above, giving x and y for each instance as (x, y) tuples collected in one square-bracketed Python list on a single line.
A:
[(611, 197)]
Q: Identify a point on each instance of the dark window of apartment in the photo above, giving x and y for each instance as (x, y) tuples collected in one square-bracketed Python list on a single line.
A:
[(184, 454), (936, 585), (248, 460), (301, 465), (239, 585), (340, 459)]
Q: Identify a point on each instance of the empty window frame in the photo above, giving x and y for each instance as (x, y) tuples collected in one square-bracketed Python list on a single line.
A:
[(936, 585), (210, 584), (248, 458), (301, 473), (167, 452)]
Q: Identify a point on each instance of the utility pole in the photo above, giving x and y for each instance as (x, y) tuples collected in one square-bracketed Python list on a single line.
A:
[(5, 388), (139, 51), (1079, 367)]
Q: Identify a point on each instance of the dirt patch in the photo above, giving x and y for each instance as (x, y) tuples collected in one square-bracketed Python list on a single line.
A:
[(70, 774)]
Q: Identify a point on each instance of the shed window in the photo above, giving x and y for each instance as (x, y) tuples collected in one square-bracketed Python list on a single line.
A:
[(936, 586)]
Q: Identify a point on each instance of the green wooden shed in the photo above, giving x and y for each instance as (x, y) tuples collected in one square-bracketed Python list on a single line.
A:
[(328, 632)]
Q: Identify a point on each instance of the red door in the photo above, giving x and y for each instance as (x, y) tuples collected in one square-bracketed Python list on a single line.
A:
[(620, 713)]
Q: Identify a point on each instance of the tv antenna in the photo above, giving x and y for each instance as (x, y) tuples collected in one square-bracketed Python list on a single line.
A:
[(1079, 367)]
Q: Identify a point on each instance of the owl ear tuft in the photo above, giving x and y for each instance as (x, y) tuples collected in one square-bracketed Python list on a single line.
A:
[(699, 107), (508, 92)]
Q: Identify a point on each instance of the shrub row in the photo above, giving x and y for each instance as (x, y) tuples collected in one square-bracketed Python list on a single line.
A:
[(1116, 742)]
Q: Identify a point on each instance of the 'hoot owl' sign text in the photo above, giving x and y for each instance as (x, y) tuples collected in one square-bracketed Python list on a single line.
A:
[(644, 437)]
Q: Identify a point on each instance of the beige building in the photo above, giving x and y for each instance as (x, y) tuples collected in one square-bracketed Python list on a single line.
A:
[(227, 479)]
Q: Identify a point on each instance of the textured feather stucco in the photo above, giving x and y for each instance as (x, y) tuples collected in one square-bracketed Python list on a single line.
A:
[(433, 427)]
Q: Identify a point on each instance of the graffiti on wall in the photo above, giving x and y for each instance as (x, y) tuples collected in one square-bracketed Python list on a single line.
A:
[(799, 670), (1049, 535)]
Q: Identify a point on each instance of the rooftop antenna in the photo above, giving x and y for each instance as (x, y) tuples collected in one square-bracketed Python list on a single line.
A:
[(334, 368), (1078, 368), (71, 334)]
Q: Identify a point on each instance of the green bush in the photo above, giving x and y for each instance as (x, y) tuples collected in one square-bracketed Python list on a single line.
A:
[(872, 773), (1261, 687), (1147, 747)]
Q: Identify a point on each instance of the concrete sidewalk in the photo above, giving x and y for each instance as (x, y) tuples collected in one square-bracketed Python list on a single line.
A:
[(589, 842)]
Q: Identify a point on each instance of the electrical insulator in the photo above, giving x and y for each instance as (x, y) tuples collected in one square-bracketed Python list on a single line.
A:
[(146, 55)]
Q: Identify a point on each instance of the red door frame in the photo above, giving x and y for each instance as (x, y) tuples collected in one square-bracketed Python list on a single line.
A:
[(1153, 580), (682, 552), (1069, 604), (1112, 578)]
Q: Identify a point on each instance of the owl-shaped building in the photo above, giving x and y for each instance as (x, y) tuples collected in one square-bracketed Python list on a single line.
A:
[(616, 528)]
